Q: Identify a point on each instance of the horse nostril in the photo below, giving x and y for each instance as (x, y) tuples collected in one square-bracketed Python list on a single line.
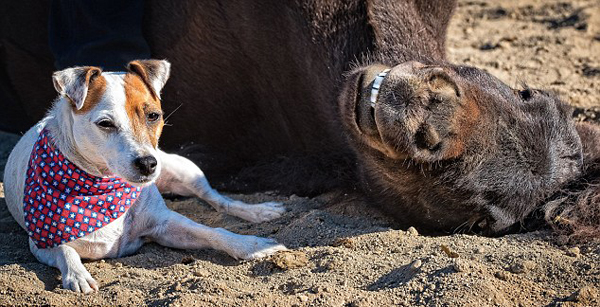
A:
[(427, 138), (146, 165)]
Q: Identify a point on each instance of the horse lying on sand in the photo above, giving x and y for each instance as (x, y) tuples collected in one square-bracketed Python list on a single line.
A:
[(278, 95)]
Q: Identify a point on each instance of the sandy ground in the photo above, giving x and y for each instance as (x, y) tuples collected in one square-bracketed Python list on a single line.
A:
[(346, 254)]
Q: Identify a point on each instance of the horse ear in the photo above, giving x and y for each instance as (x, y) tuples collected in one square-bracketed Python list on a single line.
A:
[(74, 82), (154, 73)]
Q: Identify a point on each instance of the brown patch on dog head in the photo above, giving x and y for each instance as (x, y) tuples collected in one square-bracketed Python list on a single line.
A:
[(96, 88), (75, 83), (154, 73), (140, 104)]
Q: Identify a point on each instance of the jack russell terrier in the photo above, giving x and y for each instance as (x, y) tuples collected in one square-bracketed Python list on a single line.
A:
[(85, 182)]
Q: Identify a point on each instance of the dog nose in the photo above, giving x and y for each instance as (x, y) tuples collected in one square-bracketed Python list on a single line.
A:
[(146, 165)]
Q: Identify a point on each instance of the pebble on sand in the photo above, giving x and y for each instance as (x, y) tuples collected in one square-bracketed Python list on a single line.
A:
[(286, 260), (450, 253), (412, 231), (522, 267), (586, 295)]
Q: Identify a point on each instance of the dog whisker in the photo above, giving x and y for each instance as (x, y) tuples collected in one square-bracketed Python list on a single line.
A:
[(170, 114)]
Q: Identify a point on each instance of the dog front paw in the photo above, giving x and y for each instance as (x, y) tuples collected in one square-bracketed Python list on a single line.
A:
[(251, 247), (257, 213), (79, 282)]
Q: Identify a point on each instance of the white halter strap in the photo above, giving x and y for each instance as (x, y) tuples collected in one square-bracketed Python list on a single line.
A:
[(376, 85)]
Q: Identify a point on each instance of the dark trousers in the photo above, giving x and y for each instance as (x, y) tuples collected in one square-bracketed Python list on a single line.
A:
[(104, 33)]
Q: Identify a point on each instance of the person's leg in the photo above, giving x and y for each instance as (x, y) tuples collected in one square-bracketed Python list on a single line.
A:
[(104, 33)]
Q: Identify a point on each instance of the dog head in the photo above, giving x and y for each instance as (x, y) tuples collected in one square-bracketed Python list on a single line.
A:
[(116, 117)]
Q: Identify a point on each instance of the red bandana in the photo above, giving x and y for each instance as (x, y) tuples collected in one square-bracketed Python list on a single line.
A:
[(63, 202)]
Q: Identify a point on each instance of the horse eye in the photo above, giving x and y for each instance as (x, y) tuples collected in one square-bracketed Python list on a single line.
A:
[(526, 94)]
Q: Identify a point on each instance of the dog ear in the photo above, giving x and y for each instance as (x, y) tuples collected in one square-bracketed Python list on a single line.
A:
[(74, 83), (154, 73)]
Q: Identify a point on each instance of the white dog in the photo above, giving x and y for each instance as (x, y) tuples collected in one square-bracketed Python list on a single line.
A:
[(84, 182)]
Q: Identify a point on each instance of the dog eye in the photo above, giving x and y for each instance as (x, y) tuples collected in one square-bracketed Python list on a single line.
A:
[(154, 116), (106, 124)]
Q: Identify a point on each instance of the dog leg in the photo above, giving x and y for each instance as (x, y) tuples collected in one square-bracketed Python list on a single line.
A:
[(74, 275), (176, 231), (181, 176)]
